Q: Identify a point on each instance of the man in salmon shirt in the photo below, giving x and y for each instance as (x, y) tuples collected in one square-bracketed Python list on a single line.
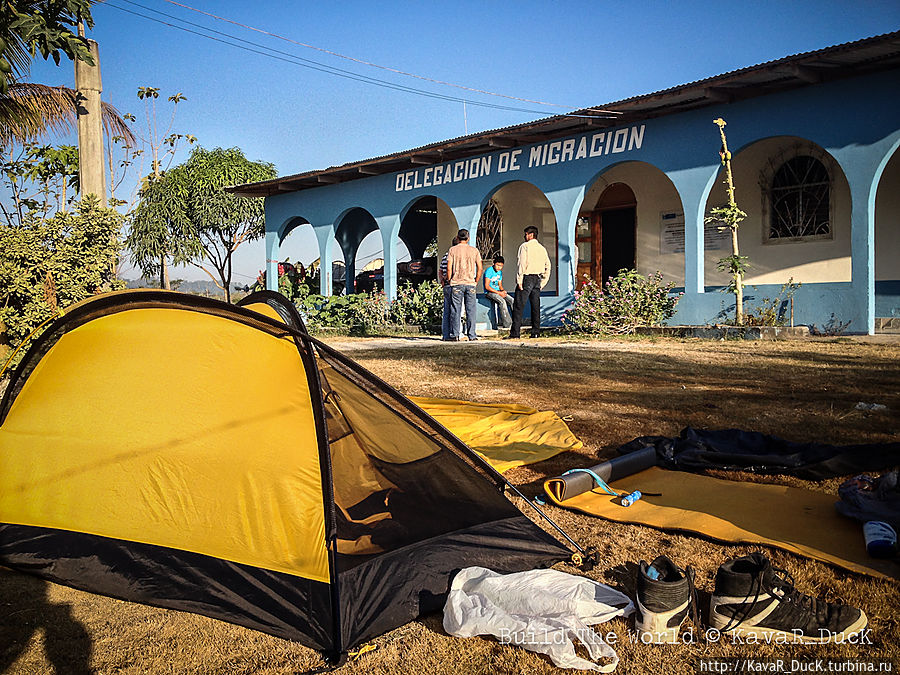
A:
[(463, 272)]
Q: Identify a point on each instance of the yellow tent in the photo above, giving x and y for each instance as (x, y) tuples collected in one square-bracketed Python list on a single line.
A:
[(182, 452)]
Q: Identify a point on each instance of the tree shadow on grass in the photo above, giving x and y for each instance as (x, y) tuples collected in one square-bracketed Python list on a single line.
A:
[(27, 610)]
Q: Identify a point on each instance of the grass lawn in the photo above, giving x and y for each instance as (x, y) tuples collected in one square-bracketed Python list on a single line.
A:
[(613, 391)]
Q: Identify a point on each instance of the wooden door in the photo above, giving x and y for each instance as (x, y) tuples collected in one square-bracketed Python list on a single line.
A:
[(587, 236)]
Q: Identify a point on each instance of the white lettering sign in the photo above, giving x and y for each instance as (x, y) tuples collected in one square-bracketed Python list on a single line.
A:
[(545, 154)]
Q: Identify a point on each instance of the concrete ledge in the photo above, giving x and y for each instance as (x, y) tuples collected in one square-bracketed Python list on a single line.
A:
[(889, 324), (737, 332)]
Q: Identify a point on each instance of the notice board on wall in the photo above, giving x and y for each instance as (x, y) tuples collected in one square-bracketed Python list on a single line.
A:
[(671, 234)]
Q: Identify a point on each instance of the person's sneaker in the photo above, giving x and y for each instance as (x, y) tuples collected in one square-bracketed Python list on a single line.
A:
[(753, 598), (664, 597)]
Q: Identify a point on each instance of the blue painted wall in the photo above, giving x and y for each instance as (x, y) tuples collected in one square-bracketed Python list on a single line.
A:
[(684, 146)]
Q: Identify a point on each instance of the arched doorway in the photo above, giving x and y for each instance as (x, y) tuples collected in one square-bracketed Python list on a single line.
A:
[(352, 228), (511, 208), (887, 248), (419, 226), (369, 262), (606, 236)]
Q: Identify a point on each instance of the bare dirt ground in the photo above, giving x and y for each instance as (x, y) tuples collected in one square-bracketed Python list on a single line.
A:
[(614, 391)]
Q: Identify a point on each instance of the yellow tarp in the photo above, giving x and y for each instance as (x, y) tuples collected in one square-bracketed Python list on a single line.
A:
[(793, 519), (505, 435)]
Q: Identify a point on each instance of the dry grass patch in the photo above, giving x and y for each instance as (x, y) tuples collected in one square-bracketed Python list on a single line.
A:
[(614, 391)]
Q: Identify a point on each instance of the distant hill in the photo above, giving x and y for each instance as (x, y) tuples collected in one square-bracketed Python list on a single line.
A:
[(207, 288)]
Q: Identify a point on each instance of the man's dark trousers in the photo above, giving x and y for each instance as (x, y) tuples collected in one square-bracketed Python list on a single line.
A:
[(530, 291)]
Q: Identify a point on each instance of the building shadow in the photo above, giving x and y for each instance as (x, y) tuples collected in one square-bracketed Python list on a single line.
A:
[(27, 610)]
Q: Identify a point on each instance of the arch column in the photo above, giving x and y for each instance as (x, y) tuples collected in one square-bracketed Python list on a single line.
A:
[(863, 167), (389, 227), (693, 187), (862, 251), (566, 204), (273, 250), (324, 236), (467, 218)]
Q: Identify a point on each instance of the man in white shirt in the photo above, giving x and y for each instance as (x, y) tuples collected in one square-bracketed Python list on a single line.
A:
[(532, 274)]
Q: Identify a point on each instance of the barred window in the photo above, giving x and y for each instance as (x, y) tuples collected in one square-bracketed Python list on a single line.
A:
[(800, 199), (488, 237)]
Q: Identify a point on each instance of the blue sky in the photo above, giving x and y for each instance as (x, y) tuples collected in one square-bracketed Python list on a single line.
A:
[(575, 54)]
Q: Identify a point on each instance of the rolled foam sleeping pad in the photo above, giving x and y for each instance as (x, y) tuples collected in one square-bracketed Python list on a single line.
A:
[(565, 487)]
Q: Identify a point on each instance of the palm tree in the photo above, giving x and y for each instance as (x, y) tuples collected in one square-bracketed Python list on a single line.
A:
[(29, 110)]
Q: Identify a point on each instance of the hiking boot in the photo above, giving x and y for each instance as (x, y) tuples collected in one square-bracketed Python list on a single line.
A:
[(665, 593), (754, 598)]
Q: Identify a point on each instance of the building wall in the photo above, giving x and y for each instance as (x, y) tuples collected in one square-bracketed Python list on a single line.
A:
[(807, 261), (683, 146)]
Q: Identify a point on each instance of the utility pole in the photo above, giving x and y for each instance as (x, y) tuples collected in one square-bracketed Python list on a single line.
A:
[(91, 168)]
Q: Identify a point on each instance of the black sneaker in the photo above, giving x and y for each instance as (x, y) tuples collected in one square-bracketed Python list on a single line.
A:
[(665, 594), (754, 598)]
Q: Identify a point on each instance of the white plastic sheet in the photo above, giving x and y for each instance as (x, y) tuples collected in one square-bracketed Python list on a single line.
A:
[(544, 611)]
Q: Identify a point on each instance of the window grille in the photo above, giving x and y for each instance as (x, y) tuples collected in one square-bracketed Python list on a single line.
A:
[(489, 227), (800, 200)]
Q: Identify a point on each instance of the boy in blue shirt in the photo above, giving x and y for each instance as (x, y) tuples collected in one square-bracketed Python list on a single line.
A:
[(493, 286)]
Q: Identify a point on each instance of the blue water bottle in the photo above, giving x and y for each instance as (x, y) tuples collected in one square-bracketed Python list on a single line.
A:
[(628, 500), (881, 539)]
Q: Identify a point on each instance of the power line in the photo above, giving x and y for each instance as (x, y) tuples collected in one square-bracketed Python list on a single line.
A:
[(306, 63), (287, 57), (373, 65)]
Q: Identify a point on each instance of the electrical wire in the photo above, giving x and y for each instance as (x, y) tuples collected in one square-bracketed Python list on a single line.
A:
[(293, 59), (375, 65), (287, 57)]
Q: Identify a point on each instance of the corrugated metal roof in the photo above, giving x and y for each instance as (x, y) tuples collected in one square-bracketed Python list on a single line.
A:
[(872, 54)]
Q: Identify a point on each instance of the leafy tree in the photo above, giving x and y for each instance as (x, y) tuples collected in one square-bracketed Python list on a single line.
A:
[(47, 264), (158, 238), (29, 27), (38, 178), (187, 213), (729, 217)]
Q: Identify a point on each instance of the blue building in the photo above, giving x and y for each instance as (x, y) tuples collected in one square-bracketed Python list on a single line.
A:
[(814, 139)]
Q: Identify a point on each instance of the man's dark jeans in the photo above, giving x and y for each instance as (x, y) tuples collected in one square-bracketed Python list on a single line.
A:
[(460, 295), (530, 291)]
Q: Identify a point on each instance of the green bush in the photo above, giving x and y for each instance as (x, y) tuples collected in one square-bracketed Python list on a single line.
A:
[(358, 312), (47, 264), (371, 313), (628, 301), (420, 305)]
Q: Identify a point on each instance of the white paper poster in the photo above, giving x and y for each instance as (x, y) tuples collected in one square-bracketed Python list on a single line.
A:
[(671, 234)]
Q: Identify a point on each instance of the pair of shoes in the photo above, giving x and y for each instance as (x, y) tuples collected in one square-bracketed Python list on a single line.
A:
[(751, 598), (473, 339), (512, 337)]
